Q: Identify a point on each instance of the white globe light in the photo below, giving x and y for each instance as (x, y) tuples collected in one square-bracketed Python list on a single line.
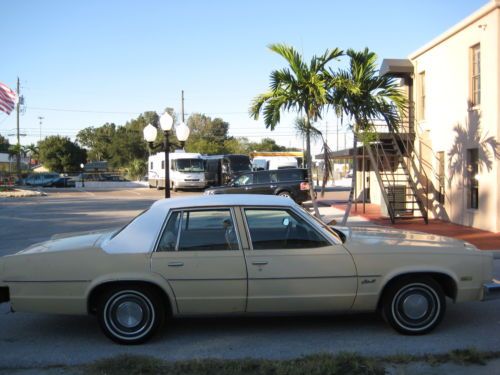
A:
[(150, 133), (166, 122), (182, 132)]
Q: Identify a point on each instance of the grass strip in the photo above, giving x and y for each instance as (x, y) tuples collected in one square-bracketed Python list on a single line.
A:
[(322, 364)]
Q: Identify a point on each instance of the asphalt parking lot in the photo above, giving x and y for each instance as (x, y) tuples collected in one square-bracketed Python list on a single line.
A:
[(30, 340)]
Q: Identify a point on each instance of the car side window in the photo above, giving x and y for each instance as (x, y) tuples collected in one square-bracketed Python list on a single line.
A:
[(246, 179), (262, 178), (288, 175), (281, 229), (168, 240), (207, 230)]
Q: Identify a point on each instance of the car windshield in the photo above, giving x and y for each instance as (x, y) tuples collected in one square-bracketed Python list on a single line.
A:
[(189, 165), (337, 233)]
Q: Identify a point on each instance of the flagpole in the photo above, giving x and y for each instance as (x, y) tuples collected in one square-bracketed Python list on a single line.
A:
[(18, 162)]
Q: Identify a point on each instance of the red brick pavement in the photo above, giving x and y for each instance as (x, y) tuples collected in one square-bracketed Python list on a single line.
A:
[(484, 240)]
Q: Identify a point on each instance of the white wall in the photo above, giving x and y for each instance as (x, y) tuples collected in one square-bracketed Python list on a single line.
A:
[(450, 125)]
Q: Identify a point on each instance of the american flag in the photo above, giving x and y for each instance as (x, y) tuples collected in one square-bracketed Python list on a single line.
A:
[(8, 99)]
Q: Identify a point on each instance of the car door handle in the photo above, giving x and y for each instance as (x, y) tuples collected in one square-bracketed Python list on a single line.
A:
[(273, 186), (176, 264), (260, 262)]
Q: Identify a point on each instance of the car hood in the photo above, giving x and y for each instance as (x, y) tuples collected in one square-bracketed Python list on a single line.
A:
[(370, 239), (69, 241)]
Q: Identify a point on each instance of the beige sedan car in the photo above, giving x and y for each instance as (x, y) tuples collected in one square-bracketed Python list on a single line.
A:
[(242, 254)]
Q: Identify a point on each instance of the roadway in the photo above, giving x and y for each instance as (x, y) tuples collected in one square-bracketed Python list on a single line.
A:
[(31, 340)]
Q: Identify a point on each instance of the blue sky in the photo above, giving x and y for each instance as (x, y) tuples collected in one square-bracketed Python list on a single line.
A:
[(77, 59)]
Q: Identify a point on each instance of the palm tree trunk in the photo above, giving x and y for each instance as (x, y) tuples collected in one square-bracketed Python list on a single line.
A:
[(309, 171), (354, 172)]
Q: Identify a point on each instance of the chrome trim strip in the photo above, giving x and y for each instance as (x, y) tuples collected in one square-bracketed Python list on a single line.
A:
[(47, 281), (491, 290), (303, 277)]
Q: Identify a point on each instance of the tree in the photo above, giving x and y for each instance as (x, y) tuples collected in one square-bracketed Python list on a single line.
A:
[(32, 151), (97, 141), (59, 154), (366, 97), (300, 87), (137, 169), (207, 136), (4, 144)]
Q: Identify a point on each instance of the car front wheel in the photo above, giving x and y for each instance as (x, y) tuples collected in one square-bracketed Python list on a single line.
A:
[(414, 306), (130, 315)]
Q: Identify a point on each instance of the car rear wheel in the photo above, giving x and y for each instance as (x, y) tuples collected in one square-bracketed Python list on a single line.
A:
[(414, 306), (130, 315)]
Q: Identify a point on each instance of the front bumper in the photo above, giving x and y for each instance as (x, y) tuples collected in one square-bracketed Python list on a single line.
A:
[(191, 184), (491, 290)]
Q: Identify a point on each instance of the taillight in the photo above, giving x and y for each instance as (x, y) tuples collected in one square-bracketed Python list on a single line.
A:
[(304, 186)]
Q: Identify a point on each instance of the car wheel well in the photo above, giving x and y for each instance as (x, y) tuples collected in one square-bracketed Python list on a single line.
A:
[(445, 281), (94, 295)]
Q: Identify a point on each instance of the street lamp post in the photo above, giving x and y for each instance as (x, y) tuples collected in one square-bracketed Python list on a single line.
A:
[(83, 174), (150, 133)]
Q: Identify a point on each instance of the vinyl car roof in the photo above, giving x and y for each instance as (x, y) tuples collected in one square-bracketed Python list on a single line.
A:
[(222, 200), (141, 233)]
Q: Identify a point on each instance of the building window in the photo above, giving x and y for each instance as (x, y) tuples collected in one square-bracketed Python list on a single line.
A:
[(441, 178), (163, 164), (151, 165), (473, 171), (421, 96), (475, 75)]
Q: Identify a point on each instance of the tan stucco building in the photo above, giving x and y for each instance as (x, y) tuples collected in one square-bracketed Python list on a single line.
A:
[(451, 138)]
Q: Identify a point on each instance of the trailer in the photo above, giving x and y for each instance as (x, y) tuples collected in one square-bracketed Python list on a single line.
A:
[(220, 169), (186, 171)]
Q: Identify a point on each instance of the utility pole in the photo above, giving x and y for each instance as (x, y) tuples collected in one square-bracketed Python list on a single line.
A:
[(41, 119), (18, 160), (182, 104)]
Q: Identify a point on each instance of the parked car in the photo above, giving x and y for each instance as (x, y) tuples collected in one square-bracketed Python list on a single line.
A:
[(243, 254), (62, 182), (41, 179), (292, 183)]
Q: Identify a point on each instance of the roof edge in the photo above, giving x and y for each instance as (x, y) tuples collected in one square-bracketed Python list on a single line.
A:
[(480, 13)]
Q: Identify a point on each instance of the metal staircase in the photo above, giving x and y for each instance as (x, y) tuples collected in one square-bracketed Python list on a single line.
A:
[(394, 164)]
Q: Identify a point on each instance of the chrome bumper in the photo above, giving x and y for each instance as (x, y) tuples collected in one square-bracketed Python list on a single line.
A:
[(491, 290)]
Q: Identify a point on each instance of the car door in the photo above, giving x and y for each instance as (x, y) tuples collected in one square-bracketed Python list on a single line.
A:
[(293, 266), (200, 255), (262, 183), (243, 184)]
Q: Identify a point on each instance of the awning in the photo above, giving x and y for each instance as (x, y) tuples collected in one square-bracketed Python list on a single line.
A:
[(396, 67)]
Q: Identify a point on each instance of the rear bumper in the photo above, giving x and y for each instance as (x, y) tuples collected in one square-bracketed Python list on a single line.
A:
[(4, 294), (491, 290)]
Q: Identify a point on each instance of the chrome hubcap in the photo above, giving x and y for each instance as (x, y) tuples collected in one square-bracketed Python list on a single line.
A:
[(129, 314), (415, 306)]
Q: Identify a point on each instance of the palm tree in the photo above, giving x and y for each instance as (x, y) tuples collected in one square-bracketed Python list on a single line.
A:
[(32, 151), (300, 87), (373, 97)]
